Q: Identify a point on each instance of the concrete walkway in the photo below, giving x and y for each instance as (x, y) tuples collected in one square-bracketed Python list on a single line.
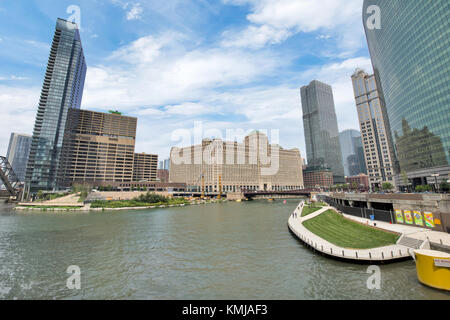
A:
[(70, 200), (382, 254)]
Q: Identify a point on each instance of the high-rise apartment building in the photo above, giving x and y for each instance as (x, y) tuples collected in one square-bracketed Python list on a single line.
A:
[(321, 129), (62, 91), (352, 152), (145, 167), (17, 155), (375, 131), (251, 165), (164, 164), (100, 148), (411, 63)]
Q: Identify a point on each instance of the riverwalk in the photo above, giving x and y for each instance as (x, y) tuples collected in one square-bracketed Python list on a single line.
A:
[(410, 232), (384, 254)]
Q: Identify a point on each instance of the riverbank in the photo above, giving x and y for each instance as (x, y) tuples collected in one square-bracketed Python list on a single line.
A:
[(371, 251), (115, 206)]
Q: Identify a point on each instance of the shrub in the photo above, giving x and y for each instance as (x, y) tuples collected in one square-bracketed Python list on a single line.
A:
[(151, 198), (387, 186)]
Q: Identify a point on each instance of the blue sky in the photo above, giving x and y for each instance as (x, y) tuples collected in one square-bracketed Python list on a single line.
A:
[(231, 64)]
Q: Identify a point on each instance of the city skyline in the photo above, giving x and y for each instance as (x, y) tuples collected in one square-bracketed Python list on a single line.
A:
[(236, 93)]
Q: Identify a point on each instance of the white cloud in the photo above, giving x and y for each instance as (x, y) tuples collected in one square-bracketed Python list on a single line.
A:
[(255, 37), (160, 71), (275, 20), (18, 109), (13, 78), (135, 12)]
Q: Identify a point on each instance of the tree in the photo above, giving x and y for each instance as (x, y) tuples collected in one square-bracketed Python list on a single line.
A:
[(444, 186), (424, 188), (40, 194), (404, 178), (387, 186)]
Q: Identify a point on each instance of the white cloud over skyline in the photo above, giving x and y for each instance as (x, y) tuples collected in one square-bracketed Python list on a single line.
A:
[(241, 80)]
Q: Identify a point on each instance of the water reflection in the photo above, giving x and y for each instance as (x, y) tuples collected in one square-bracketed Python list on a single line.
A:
[(223, 251)]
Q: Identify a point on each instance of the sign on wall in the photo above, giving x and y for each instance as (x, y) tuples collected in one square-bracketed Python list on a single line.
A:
[(418, 220), (408, 217), (429, 219), (399, 216)]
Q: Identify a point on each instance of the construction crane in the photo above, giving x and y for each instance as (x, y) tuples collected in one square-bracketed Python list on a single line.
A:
[(12, 184), (203, 185), (220, 187)]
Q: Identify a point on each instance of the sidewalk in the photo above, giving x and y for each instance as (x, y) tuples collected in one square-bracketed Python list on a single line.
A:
[(70, 200)]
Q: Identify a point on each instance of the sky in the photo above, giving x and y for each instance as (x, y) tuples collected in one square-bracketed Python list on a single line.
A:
[(227, 64)]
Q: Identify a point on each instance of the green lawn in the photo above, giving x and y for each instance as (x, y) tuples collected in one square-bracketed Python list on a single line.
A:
[(309, 209), (348, 234)]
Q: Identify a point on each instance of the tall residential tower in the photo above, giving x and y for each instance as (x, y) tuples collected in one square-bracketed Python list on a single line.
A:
[(323, 148), (376, 134), (62, 90)]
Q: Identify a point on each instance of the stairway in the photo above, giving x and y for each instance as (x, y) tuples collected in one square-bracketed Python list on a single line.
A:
[(410, 242)]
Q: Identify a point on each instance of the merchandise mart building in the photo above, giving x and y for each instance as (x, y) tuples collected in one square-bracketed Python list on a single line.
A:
[(231, 166), (411, 63)]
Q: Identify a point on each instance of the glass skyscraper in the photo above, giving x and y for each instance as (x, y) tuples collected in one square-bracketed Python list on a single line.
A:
[(352, 152), (61, 91), (323, 149), (18, 151), (410, 57)]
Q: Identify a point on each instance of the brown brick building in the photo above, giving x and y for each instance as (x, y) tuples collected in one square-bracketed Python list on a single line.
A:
[(101, 148), (163, 175), (361, 181), (145, 167), (318, 178)]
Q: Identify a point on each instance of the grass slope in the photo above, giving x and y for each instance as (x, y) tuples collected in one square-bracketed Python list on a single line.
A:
[(307, 210), (348, 234)]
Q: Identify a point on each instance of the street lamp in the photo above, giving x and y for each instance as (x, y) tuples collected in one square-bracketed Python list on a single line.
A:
[(435, 175)]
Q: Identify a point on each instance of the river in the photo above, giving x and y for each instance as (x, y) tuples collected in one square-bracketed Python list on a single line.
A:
[(216, 251)]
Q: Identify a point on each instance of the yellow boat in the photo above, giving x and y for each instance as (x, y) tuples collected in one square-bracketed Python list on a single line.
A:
[(433, 268)]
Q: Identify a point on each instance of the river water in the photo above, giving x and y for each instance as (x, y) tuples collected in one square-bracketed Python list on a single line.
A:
[(216, 251)]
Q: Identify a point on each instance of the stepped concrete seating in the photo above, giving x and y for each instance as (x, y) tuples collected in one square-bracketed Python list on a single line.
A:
[(410, 242)]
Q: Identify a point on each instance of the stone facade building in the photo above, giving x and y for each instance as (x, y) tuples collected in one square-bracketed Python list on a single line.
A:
[(252, 165), (375, 130)]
